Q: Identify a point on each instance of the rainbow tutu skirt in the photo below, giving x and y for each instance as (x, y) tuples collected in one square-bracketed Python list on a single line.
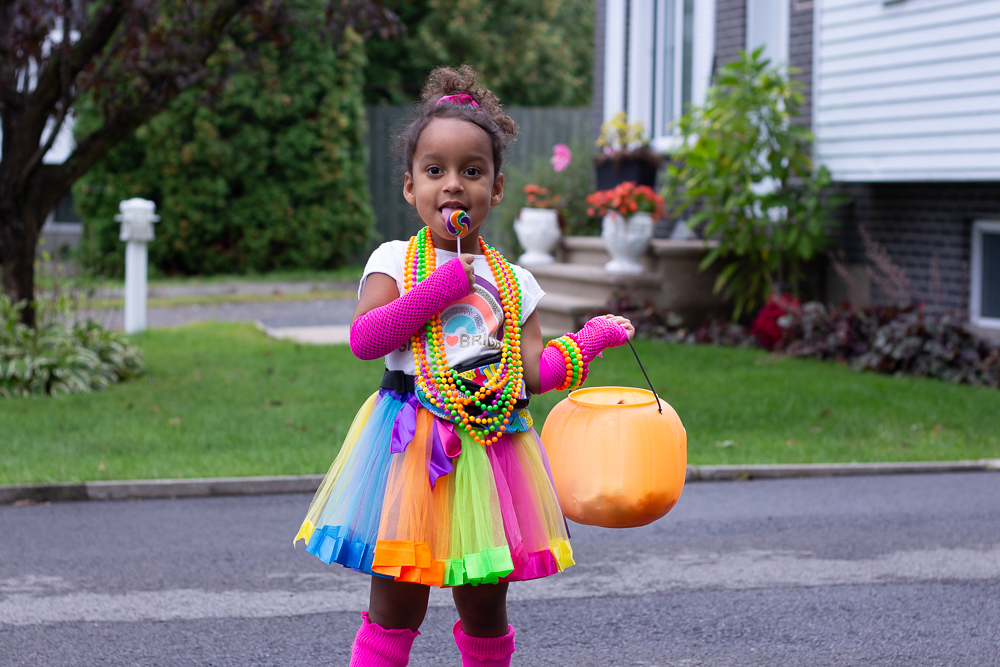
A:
[(412, 498)]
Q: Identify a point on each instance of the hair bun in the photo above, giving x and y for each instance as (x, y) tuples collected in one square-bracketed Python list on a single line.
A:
[(446, 81)]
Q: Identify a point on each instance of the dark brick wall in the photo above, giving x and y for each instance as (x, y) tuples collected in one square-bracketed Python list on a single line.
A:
[(926, 229), (730, 30), (800, 52), (597, 104)]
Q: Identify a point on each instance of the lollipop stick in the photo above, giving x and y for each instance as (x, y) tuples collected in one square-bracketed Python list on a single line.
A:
[(459, 241)]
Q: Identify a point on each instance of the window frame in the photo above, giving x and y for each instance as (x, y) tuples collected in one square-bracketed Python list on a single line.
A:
[(630, 37), (979, 228)]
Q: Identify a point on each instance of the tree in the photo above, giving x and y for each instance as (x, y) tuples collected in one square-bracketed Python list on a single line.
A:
[(268, 174), (132, 58), (530, 52)]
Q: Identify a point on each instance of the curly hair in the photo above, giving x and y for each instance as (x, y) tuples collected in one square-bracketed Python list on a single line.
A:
[(489, 115)]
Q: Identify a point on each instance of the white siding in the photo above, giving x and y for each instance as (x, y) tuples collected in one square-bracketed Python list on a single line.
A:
[(907, 91)]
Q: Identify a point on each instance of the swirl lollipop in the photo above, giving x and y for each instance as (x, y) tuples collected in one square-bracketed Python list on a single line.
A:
[(458, 223)]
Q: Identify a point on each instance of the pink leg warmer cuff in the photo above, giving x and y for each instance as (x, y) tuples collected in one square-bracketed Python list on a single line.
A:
[(375, 646), (596, 335), (484, 651), (384, 329)]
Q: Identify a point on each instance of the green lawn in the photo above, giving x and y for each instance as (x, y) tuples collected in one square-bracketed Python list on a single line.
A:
[(221, 400)]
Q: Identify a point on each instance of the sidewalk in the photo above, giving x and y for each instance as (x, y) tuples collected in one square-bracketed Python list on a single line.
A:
[(321, 321), (250, 486)]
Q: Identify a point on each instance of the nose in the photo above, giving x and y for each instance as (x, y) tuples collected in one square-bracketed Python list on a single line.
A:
[(453, 182)]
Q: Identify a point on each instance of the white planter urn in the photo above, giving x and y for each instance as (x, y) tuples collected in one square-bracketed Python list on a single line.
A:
[(626, 241), (538, 232)]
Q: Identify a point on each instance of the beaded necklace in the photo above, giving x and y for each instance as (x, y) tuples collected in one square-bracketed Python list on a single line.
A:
[(441, 384)]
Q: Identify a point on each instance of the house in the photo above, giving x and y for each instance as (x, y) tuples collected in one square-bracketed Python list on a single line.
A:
[(903, 97)]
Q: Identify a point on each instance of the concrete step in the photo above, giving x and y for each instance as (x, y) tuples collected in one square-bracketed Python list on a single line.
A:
[(588, 250), (592, 283), (559, 313)]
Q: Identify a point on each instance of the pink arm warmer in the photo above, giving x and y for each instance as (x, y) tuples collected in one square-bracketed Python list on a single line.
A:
[(384, 329), (596, 335)]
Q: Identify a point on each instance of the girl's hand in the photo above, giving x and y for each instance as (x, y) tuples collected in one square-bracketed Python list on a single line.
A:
[(623, 322), (467, 260)]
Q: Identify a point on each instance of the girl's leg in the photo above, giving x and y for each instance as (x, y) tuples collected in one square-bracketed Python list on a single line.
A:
[(388, 628), (397, 604), (482, 634), (483, 609)]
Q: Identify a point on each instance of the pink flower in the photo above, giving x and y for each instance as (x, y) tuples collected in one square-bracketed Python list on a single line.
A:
[(561, 157)]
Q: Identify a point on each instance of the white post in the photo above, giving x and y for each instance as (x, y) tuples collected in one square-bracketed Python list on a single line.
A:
[(137, 217)]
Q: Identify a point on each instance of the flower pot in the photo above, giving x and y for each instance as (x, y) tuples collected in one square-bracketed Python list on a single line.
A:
[(626, 241), (538, 233), (611, 172)]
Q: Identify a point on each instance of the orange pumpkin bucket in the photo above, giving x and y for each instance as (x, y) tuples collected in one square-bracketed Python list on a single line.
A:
[(616, 460)]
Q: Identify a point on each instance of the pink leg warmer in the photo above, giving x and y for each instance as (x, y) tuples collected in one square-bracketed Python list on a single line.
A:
[(596, 335), (375, 646), (382, 330), (484, 651)]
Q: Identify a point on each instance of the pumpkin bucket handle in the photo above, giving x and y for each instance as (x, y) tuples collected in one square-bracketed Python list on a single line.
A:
[(658, 406)]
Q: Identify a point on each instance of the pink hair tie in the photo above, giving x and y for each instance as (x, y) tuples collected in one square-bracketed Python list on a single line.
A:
[(460, 98)]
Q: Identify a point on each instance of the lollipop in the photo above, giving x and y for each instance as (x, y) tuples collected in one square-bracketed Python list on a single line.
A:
[(457, 222)]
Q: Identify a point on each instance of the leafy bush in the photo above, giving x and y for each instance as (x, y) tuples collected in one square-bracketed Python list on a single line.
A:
[(899, 340), (744, 168), (59, 358), (270, 176), (530, 53)]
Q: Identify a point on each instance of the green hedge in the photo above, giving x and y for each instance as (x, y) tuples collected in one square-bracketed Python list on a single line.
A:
[(268, 174)]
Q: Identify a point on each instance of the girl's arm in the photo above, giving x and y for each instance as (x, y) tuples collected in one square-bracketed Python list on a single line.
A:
[(531, 352), (596, 335), (383, 320)]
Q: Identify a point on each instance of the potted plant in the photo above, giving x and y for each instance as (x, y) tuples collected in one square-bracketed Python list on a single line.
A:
[(629, 212), (624, 154), (537, 225)]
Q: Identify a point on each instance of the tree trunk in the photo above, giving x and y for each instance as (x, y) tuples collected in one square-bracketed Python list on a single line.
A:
[(18, 242)]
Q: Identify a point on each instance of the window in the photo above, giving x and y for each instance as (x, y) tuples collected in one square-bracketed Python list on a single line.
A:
[(767, 26), (984, 295), (657, 60)]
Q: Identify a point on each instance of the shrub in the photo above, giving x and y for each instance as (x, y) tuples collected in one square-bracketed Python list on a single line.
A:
[(270, 176), (744, 168), (899, 340), (57, 357)]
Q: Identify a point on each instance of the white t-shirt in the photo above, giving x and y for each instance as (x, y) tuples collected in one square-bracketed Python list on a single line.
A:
[(472, 326)]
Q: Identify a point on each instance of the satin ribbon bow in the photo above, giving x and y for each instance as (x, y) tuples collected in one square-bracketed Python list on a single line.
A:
[(445, 443)]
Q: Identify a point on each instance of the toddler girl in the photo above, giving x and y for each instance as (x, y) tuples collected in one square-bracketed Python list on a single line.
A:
[(441, 480)]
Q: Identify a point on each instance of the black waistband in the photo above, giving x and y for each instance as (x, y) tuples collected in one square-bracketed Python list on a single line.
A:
[(398, 381), (401, 383)]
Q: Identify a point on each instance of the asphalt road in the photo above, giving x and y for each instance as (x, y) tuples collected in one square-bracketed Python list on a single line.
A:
[(895, 570)]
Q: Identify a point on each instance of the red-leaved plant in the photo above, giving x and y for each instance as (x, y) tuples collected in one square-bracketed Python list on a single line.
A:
[(768, 327), (626, 198)]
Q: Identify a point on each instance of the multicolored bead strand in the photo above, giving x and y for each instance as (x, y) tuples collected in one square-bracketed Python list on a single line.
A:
[(576, 368), (440, 383)]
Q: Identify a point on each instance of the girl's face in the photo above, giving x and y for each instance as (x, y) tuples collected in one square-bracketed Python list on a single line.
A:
[(453, 168)]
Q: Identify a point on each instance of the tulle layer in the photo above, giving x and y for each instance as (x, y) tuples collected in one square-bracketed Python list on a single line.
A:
[(494, 517)]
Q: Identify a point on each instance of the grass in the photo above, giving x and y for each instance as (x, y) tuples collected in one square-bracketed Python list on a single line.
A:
[(222, 400)]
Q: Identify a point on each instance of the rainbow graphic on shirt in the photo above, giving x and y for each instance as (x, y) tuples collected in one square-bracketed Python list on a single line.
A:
[(476, 320)]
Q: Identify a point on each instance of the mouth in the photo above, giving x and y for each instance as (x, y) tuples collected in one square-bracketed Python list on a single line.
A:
[(450, 207)]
